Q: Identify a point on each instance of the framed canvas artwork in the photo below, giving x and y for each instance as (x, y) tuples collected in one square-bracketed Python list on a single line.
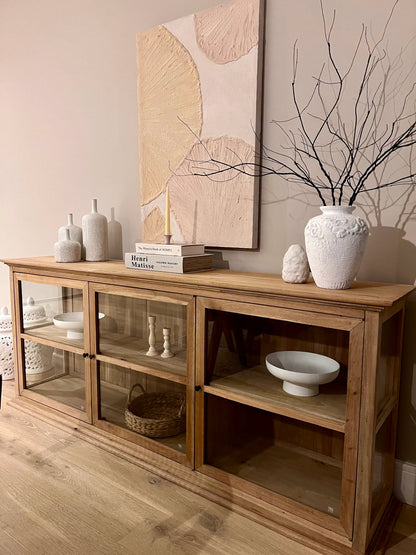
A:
[(199, 100)]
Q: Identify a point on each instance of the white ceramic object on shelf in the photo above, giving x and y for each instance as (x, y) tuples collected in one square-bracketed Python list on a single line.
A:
[(302, 372), (152, 352), (115, 238), (295, 265), (75, 232), (67, 250), (335, 243), (33, 314), (6, 344), (73, 323), (95, 235), (38, 357), (167, 353)]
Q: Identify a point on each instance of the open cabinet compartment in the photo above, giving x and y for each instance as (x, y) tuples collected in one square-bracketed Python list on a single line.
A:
[(300, 461)]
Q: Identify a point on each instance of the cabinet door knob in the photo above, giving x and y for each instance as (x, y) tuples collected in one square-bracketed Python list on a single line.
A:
[(91, 356), (197, 388), (85, 355)]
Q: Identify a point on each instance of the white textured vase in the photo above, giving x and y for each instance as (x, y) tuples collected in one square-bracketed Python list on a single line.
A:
[(115, 238), (95, 235), (335, 243), (75, 232), (67, 250)]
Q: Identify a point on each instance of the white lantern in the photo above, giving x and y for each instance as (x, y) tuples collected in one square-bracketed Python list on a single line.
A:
[(38, 357), (6, 345)]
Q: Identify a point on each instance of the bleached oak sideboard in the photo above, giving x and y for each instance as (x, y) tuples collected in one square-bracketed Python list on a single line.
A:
[(317, 469)]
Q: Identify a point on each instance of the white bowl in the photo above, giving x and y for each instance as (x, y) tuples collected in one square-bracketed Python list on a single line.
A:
[(73, 322), (302, 372)]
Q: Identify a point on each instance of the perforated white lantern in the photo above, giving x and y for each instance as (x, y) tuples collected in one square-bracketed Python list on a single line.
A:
[(6, 345), (38, 357)]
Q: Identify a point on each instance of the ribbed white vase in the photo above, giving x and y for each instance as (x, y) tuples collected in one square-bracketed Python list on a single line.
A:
[(335, 243), (95, 235)]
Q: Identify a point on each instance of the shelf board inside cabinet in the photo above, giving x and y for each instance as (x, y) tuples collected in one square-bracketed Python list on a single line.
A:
[(131, 350), (298, 474), (257, 388), (54, 335), (66, 389)]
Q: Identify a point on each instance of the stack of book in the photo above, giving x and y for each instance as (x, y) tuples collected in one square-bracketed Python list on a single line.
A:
[(169, 258)]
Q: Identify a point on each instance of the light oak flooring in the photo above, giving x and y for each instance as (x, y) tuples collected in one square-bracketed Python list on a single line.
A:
[(62, 495)]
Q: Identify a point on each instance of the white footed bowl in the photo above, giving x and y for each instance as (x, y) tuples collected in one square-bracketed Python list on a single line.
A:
[(73, 322), (302, 372)]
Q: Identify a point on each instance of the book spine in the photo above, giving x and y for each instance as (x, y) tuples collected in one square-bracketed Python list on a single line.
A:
[(173, 250), (140, 261)]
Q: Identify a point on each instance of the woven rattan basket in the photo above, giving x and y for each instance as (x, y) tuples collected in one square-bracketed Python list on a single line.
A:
[(156, 414)]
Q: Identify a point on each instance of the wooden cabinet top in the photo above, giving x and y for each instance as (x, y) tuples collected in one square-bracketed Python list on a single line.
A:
[(361, 294)]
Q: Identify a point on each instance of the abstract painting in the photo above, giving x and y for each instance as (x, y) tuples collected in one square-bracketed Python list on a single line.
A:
[(199, 99)]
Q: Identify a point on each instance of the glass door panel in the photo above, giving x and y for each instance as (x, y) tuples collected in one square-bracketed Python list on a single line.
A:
[(295, 459), (55, 374), (53, 313), (383, 466), (148, 406), (146, 333)]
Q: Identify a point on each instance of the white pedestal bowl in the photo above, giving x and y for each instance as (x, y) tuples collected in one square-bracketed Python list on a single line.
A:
[(302, 372), (73, 322)]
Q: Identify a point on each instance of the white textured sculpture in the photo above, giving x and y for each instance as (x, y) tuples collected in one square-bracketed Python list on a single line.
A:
[(295, 265)]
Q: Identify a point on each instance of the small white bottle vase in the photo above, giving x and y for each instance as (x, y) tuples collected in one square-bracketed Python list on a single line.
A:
[(75, 232), (115, 238), (95, 235), (67, 250)]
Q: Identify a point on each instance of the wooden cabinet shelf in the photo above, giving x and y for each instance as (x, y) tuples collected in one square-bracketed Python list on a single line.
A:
[(116, 347), (51, 335), (257, 388), (319, 468), (65, 389), (294, 473)]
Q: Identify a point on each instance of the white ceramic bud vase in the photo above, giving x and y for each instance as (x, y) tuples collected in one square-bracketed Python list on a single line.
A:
[(335, 243), (75, 232), (67, 250), (95, 235)]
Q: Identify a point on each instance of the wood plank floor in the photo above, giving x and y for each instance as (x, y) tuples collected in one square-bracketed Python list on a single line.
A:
[(62, 495)]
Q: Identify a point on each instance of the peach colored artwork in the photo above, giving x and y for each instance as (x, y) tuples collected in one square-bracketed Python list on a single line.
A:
[(199, 97)]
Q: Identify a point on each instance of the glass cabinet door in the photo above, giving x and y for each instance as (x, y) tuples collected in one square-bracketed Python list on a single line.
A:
[(144, 331), (150, 407), (54, 343), (256, 434), (144, 369)]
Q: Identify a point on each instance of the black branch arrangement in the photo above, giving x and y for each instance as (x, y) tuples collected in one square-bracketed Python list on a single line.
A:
[(341, 141)]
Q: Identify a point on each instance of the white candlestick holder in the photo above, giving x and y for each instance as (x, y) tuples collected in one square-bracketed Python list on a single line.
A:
[(152, 336), (167, 353)]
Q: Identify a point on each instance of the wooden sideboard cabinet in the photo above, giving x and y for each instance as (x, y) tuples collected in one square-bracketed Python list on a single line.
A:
[(317, 469)]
